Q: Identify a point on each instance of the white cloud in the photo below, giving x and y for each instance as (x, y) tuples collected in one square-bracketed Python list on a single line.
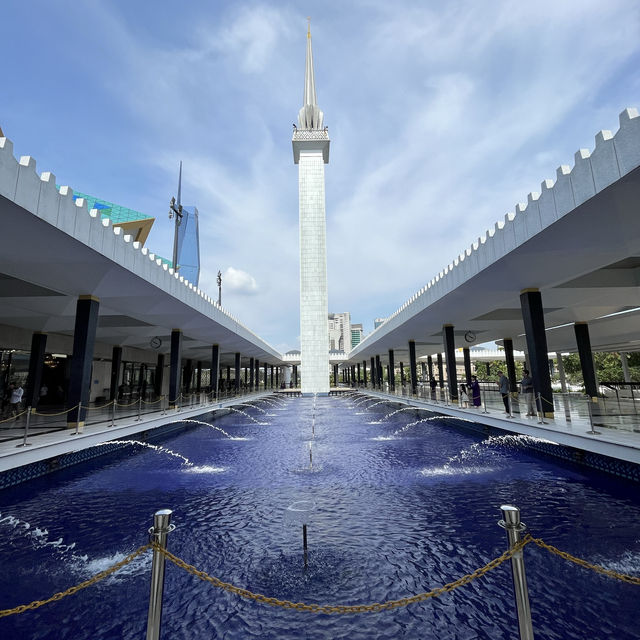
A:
[(239, 281)]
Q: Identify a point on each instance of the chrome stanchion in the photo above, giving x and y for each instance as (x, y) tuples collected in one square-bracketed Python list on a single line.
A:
[(113, 413), (593, 432), (158, 534), (139, 418), (484, 403), (26, 430), (511, 523), (539, 409), (446, 395)]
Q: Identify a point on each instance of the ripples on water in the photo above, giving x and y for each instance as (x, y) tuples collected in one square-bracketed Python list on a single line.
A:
[(391, 518)]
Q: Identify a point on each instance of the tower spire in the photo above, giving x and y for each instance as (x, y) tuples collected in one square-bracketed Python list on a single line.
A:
[(310, 116)]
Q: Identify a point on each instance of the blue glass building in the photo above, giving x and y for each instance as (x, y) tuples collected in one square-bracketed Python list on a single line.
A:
[(189, 245)]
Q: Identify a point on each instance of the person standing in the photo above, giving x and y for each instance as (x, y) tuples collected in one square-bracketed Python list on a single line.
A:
[(505, 388), (526, 387), (464, 397), (475, 391), (16, 399)]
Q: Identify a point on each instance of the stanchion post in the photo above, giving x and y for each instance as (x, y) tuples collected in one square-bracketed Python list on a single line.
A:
[(158, 534), (540, 409), (514, 527), (139, 409), (26, 430), (113, 412), (484, 403), (593, 432), (510, 414)]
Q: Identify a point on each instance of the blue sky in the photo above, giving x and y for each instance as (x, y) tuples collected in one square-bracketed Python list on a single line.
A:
[(442, 116)]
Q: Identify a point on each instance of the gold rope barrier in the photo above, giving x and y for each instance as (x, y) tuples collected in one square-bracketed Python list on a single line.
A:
[(587, 565), (14, 417), (342, 609), (125, 405), (154, 402), (60, 413), (102, 406), (319, 608), (87, 583)]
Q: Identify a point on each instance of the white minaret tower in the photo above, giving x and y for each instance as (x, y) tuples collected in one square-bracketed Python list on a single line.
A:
[(311, 153)]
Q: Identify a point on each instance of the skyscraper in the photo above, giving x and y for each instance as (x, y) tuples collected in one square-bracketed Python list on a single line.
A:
[(311, 153)]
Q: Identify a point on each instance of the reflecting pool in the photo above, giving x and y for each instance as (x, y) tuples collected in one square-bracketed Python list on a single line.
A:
[(395, 505)]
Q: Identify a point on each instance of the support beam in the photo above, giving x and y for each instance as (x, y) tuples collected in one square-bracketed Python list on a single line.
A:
[(364, 372), (359, 379), (510, 363), (295, 376), (533, 318), (215, 368), (36, 364), (257, 366), (158, 379), (188, 375), (252, 373), (430, 367), (116, 365), (586, 359), (379, 372), (450, 354), (413, 373), (466, 353), (175, 369), (392, 368), (402, 380), (561, 373), (84, 337), (440, 372), (237, 373), (199, 377), (374, 373)]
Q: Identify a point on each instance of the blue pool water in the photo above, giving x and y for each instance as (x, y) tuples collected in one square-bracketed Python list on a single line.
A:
[(394, 516)]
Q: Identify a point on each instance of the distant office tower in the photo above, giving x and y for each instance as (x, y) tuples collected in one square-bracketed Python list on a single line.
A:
[(311, 153), (356, 335), (340, 332), (189, 245)]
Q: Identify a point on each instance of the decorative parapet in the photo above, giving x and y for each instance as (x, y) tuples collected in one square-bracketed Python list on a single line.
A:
[(310, 140), (613, 157), (20, 183)]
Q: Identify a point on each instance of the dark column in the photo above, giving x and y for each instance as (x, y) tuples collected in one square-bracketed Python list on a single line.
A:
[(423, 366), (402, 380), (440, 372), (36, 363), (392, 369), (215, 368), (413, 374), (84, 337), (388, 372), (364, 373), (335, 375), (228, 385), (430, 367), (199, 377), (295, 376), (533, 318), (510, 363), (246, 376), (450, 354), (467, 364), (378, 373), (237, 368), (188, 375), (586, 359), (174, 366), (116, 365), (272, 376), (266, 376), (252, 373), (257, 366), (353, 375), (374, 372), (359, 379), (277, 377), (158, 378)]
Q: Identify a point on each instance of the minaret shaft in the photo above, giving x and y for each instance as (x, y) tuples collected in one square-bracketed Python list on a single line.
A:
[(311, 153)]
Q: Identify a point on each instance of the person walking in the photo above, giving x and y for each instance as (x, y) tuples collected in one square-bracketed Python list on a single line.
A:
[(475, 392), (464, 396), (505, 389), (526, 388)]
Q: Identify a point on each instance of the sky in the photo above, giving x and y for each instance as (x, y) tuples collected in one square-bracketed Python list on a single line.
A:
[(442, 117)]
